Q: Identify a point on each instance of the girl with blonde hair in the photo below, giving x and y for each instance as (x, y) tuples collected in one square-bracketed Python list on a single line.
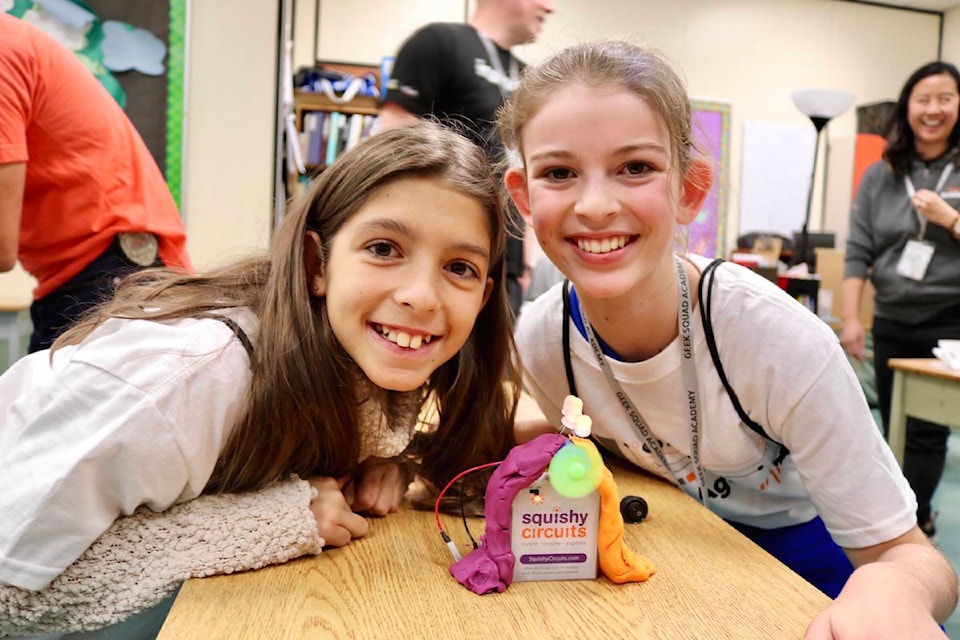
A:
[(703, 373)]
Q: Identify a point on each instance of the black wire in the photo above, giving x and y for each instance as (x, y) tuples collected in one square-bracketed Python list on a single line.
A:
[(463, 516)]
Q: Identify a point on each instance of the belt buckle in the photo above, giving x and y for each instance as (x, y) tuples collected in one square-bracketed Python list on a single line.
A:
[(140, 248)]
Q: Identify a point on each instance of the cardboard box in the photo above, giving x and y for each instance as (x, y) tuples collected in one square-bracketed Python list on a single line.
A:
[(830, 269)]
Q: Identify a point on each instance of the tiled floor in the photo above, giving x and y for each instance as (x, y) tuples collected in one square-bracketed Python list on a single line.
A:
[(947, 502)]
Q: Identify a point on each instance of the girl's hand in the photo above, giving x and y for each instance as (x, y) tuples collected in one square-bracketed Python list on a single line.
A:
[(379, 488), (934, 208), (853, 338), (336, 521), (883, 607), (900, 589)]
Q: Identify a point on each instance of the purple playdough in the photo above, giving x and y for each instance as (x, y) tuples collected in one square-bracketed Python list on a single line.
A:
[(489, 567)]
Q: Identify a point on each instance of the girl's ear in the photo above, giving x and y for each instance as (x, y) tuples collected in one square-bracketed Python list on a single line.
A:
[(516, 183), (696, 185), (487, 290), (313, 264)]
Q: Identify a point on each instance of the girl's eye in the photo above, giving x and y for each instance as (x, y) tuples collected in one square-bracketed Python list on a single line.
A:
[(558, 173), (464, 269), (637, 168), (382, 249)]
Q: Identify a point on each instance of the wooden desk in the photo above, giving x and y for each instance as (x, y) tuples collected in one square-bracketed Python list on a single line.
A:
[(922, 388), (711, 583)]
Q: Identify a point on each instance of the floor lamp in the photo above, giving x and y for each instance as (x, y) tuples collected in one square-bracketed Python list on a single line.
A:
[(820, 105)]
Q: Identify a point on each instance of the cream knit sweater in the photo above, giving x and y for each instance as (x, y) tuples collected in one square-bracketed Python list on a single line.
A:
[(143, 558)]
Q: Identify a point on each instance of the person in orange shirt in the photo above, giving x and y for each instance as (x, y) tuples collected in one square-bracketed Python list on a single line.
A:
[(82, 201)]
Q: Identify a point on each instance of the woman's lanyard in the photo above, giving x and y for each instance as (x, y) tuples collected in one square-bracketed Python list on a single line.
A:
[(494, 58), (912, 191), (688, 370)]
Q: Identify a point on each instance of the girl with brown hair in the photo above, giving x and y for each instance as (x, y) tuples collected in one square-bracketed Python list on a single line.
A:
[(384, 287)]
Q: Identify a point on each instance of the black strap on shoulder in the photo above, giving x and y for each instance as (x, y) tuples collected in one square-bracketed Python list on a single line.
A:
[(566, 337), (708, 272), (237, 331)]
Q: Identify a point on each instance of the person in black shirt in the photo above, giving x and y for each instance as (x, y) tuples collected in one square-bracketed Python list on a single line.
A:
[(461, 74)]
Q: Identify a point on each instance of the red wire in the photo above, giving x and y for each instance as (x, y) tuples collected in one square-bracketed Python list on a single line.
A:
[(436, 506)]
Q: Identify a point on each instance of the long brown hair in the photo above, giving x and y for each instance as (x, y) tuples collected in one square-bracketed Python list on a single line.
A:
[(301, 411)]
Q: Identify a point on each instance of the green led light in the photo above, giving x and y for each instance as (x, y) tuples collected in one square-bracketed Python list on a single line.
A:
[(575, 470)]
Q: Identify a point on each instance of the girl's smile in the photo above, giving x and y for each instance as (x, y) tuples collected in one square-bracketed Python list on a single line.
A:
[(932, 113), (605, 202), (601, 246), (404, 338), (602, 200), (405, 278)]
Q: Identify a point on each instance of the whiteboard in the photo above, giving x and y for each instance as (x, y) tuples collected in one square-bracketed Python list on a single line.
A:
[(777, 160)]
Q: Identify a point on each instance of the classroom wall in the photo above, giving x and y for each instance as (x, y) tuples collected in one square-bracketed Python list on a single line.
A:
[(751, 53), (349, 37), (231, 109), (951, 36)]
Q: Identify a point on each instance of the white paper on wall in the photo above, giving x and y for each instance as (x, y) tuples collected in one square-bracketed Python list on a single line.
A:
[(777, 159)]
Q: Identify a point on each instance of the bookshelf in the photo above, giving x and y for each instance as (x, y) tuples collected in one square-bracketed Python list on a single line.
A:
[(305, 101), (327, 127)]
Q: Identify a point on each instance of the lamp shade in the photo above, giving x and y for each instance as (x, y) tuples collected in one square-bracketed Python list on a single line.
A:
[(822, 103)]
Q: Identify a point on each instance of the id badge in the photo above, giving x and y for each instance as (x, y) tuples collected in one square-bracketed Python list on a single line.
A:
[(915, 259)]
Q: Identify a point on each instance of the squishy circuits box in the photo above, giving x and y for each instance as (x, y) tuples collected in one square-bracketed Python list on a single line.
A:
[(553, 537)]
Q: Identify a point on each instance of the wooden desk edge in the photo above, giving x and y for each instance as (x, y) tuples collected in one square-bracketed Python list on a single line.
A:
[(14, 305), (925, 366), (215, 604)]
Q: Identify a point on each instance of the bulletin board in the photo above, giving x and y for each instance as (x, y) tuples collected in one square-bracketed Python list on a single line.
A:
[(152, 98), (711, 131)]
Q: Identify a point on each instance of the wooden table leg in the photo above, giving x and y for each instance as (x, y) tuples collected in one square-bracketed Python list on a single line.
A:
[(897, 435)]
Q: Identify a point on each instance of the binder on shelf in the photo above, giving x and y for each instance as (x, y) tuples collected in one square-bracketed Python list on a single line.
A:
[(313, 128), (333, 136), (344, 130), (354, 130), (303, 136), (322, 128), (369, 127), (315, 150)]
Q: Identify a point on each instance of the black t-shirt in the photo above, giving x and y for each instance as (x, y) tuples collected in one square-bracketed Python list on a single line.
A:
[(443, 69)]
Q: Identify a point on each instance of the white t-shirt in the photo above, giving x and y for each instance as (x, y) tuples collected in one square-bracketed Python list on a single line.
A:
[(791, 376), (136, 414)]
